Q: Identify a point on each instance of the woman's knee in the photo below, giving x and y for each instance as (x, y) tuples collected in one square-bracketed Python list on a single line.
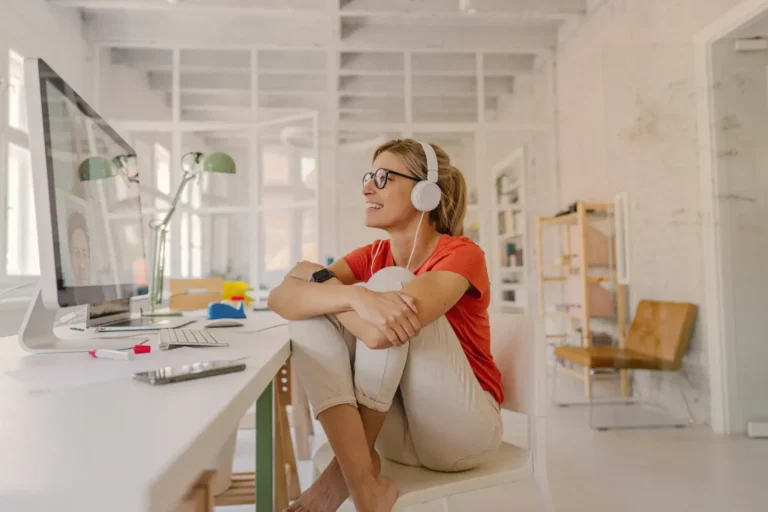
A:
[(321, 339), (303, 331)]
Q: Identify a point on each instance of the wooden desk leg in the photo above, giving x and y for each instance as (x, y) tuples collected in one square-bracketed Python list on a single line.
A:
[(265, 447)]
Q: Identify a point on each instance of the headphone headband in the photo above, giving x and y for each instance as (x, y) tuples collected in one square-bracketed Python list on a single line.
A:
[(432, 167)]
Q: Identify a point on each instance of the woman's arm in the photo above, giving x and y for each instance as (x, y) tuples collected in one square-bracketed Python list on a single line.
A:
[(380, 320), (297, 299), (434, 293)]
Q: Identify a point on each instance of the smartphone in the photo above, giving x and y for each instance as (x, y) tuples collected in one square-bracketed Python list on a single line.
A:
[(170, 374)]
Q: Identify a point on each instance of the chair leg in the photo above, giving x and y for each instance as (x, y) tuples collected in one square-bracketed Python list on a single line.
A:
[(591, 405), (644, 402), (681, 375)]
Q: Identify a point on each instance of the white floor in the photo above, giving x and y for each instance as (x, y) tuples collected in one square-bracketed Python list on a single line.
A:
[(640, 470)]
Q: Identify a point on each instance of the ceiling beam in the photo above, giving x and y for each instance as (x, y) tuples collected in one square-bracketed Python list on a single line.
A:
[(509, 10), (197, 30), (416, 37), (181, 7)]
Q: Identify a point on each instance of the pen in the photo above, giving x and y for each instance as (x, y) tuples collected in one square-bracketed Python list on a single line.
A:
[(111, 354)]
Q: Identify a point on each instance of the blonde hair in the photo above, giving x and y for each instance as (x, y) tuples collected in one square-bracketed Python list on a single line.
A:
[(448, 217)]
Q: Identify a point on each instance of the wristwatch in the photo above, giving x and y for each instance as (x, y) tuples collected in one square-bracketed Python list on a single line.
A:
[(322, 276)]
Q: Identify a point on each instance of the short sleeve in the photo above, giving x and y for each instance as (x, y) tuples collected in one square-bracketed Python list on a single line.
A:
[(359, 262), (466, 259)]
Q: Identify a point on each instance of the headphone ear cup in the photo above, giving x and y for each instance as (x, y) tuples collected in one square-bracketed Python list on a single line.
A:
[(426, 196)]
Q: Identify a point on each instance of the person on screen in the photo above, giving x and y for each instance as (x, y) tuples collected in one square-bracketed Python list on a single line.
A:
[(79, 249)]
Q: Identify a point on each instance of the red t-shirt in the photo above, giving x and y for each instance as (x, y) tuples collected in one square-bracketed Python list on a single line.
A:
[(469, 316)]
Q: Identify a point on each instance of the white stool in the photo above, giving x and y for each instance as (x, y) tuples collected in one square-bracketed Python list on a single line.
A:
[(517, 346)]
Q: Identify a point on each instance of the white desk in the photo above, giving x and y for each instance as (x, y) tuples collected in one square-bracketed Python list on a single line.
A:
[(99, 444)]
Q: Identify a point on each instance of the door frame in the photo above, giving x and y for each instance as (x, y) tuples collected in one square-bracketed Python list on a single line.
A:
[(720, 352)]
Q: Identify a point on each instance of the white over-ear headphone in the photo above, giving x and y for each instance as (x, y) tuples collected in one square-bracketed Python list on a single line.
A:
[(426, 194)]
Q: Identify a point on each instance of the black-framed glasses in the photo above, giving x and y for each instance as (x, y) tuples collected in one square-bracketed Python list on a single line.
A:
[(381, 176)]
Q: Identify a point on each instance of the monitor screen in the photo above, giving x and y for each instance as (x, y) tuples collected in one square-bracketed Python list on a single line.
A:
[(96, 223)]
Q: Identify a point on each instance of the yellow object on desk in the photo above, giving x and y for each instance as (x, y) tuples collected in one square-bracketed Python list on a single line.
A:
[(236, 289)]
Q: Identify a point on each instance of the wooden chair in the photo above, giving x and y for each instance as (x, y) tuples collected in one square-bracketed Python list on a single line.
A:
[(657, 341), (517, 346)]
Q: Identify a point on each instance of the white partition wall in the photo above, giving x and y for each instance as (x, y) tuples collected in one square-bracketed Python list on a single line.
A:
[(283, 109)]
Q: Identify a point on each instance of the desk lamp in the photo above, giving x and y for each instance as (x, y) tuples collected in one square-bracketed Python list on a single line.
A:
[(192, 164)]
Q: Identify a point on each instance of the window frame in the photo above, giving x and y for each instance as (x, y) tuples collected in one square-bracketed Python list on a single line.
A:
[(296, 208), (19, 138)]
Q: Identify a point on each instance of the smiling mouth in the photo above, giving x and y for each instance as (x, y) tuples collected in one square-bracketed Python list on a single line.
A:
[(373, 206)]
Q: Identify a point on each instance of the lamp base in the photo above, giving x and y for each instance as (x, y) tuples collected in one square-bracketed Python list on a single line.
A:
[(159, 313)]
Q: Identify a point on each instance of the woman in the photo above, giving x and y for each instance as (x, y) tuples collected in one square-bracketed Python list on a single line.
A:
[(402, 360)]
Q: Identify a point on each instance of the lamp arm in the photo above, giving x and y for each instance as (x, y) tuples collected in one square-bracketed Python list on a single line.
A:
[(188, 176), (161, 231)]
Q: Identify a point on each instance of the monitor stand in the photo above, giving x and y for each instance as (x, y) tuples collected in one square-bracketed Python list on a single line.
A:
[(37, 334)]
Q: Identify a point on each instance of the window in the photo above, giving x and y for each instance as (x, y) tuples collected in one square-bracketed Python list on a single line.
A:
[(17, 110), (288, 219), (19, 258), (22, 257), (276, 168)]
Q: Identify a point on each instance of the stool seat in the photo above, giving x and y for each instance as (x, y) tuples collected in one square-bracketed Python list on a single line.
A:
[(417, 485)]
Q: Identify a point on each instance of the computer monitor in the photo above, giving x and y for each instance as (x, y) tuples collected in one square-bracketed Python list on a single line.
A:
[(89, 222)]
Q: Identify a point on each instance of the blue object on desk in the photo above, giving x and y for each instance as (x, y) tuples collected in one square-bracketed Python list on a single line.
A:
[(218, 310)]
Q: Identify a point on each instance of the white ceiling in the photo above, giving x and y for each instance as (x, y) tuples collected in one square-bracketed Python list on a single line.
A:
[(349, 59)]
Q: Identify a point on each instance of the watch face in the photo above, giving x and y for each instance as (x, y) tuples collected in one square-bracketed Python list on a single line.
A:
[(321, 275)]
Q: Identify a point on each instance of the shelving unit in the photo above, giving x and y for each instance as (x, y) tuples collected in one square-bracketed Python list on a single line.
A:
[(509, 245), (587, 261)]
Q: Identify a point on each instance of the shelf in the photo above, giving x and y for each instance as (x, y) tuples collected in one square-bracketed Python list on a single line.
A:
[(565, 314), (507, 207), (580, 314), (570, 219), (512, 305), (510, 236), (557, 336), (511, 270), (510, 287), (473, 207), (590, 279)]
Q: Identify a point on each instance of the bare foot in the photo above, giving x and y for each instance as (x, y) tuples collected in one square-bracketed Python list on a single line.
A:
[(379, 495), (329, 491)]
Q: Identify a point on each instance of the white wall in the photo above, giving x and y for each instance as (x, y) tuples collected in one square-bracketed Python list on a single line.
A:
[(740, 121), (33, 28), (627, 122)]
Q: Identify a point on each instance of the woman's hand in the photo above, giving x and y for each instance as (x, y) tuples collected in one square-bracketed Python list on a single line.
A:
[(304, 270), (393, 313)]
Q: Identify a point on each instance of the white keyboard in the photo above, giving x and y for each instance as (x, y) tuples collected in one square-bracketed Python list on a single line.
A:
[(172, 338)]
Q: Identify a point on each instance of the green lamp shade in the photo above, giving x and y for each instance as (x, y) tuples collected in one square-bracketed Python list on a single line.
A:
[(96, 168), (218, 162)]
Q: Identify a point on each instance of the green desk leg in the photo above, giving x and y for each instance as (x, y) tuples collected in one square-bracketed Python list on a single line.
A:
[(264, 451)]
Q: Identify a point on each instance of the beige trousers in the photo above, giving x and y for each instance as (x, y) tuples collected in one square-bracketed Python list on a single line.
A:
[(439, 416)]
